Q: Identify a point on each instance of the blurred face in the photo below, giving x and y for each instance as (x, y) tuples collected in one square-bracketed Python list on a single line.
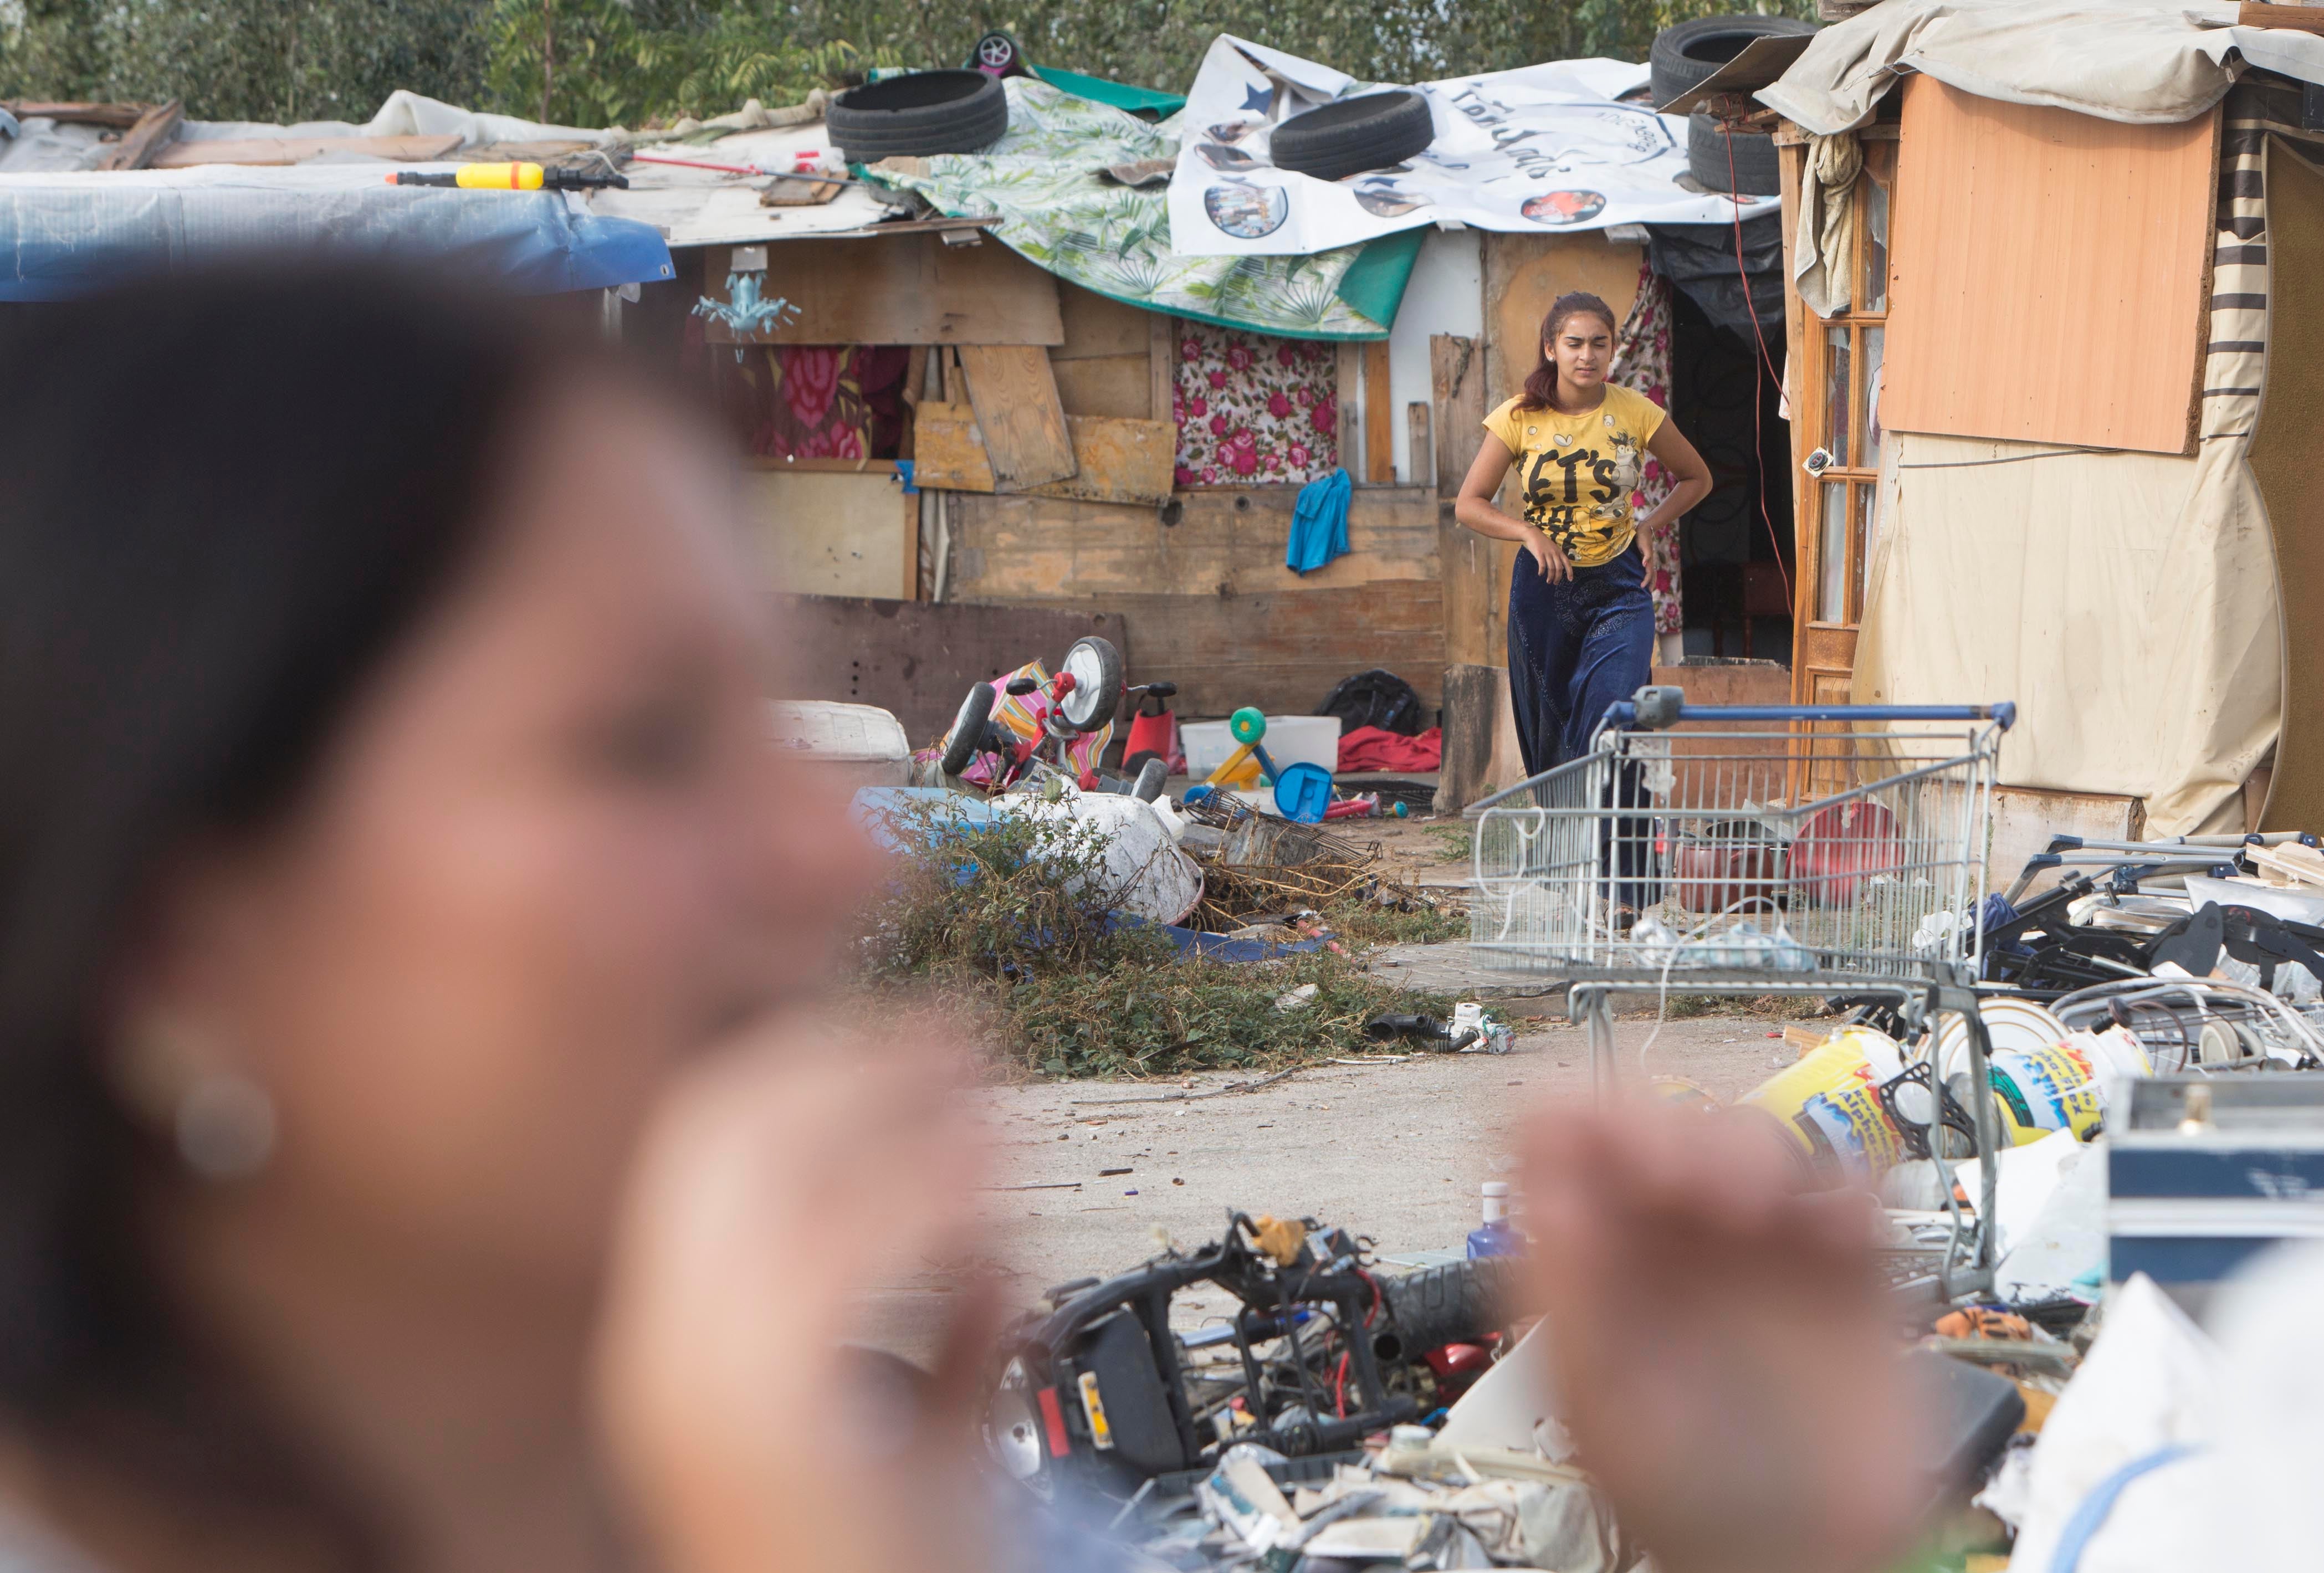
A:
[(551, 855), (1581, 349)]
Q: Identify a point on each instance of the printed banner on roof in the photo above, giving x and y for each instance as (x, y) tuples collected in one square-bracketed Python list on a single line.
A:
[(1547, 147)]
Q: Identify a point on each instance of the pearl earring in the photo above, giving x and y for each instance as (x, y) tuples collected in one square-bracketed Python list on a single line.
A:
[(226, 1127)]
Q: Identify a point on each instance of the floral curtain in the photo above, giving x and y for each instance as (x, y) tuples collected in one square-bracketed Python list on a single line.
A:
[(819, 401), (1254, 410), (1642, 362)]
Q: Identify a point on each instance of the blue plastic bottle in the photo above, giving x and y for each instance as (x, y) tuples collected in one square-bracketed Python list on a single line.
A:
[(1498, 1236)]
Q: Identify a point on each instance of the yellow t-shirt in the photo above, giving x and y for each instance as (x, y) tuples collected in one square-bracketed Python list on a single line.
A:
[(1578, 471)]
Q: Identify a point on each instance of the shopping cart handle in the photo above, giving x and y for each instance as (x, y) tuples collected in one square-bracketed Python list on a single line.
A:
[(1657, 708)]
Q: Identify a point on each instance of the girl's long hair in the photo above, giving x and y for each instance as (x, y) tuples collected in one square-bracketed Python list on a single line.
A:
[(1541, 387)]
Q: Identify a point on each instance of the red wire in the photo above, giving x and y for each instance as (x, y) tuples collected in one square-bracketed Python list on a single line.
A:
[(1758, 441), (1339, 1389)]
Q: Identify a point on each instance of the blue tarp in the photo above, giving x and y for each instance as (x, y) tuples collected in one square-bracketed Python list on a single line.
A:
[(68, 235)]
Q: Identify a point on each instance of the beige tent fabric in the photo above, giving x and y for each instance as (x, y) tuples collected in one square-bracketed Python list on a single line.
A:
[(2120, 59), (2126, 601), (1827, 222)]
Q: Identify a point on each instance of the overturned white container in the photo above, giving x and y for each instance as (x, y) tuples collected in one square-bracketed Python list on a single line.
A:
[(1147, 876), (863, 744)]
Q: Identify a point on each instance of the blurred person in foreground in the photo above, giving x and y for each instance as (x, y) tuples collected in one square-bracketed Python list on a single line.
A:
[(412, 1154)]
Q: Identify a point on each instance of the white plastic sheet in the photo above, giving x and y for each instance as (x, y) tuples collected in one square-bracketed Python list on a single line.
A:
[(1543, 148)]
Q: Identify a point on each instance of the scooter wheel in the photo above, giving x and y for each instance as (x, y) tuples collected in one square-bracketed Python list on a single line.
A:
[(969, 729)]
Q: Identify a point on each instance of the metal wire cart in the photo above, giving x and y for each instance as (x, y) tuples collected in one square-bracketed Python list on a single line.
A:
[(1832, 851)]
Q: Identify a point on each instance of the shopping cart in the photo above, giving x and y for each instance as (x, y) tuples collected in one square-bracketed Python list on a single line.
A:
[(1828, 851)]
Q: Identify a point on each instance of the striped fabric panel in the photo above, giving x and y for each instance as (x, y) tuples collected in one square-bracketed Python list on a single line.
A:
[(2236, 360)]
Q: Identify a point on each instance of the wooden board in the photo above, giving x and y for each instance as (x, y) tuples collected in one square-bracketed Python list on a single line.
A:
[(2302, 18), (142, 141), (1119, 386), (1474, 575), (919, 657), (1379, 425), (1115, 461), (120, 116), (899, 290), (294, 149), (1224, 544), (1026, 440), (834, 533), (1162, 374), (2049, 273), (1098, 325)]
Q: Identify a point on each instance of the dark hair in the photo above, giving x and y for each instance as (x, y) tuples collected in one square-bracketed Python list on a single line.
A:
[(223, 501), (1541, 386)]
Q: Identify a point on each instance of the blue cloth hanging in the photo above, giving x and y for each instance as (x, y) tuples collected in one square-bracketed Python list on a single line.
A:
[(1319, 522)]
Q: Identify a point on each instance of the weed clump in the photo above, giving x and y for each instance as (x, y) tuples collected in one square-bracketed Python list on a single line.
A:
[(1019, 917)]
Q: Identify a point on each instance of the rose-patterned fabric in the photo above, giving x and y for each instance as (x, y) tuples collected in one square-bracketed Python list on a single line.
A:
[(819, 401), (1642, 363), (1253, 409)]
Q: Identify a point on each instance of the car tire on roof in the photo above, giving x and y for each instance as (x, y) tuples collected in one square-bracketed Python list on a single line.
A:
[(1686, 53), (1753, 172), (918, 116), (1370, 132)]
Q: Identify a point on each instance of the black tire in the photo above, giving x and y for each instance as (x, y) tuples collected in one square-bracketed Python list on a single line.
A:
[(1151, 774), (1460, 1302), (968, 730), (1754, 173), (1370, 132), (918, 116), (1096, 667), (1684, 55)]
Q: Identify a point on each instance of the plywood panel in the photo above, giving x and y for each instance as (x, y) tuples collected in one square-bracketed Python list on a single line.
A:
[(1467, 561), (919, 657), (1120, 386), (2049, 273), (2283, 461), (1282, 652), (1015, 400), (1115, 461), (1524, 273), (1224, 544), (830, 533), (899, 290)]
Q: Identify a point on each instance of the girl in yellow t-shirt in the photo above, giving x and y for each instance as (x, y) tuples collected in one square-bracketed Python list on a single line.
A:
[(1582, 622)]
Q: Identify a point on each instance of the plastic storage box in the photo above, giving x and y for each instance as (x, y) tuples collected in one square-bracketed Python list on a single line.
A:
[(1290, 740)]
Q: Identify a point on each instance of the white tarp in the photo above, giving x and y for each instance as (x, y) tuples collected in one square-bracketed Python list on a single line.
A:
[(2137, 61), (1543, 148)]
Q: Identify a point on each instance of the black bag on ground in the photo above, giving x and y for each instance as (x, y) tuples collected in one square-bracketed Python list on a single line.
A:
[(1374, 698)]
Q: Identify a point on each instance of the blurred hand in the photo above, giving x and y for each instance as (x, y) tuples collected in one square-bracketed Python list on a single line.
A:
[(1722, 1346), (775, 1187)]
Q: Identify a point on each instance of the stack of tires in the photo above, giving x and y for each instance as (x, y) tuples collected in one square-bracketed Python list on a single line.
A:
[(919, 115), (1683, 58)]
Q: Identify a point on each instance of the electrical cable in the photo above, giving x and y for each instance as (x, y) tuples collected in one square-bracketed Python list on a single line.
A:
[(1759, 399)]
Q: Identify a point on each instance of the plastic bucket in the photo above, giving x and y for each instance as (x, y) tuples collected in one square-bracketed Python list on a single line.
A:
[(1829, 1103)]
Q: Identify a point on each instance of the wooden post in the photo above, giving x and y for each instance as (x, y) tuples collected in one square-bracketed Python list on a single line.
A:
[(1350, 398), (1417, 442), (1380, 436), (1162, 366), (137, 146), (1465, 560)]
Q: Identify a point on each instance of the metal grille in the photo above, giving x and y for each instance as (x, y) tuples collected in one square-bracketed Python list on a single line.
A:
[(1830, 845)]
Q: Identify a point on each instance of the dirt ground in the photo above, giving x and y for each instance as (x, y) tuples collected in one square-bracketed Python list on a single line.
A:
[(1396, 1151)]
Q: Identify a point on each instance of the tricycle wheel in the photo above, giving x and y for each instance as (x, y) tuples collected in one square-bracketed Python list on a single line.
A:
[(968, 730), (1096, 669)]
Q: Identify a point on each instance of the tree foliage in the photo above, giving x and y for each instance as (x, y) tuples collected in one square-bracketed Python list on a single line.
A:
[(633, 63)]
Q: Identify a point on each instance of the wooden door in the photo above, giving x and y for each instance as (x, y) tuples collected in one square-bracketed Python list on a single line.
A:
[(1835, 365)]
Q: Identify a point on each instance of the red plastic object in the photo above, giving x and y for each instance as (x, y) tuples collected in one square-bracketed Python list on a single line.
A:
[(1053, 1417), (1841, 846), (1364, 807), (1088, 782), (1156, 734), (1458, 1365)]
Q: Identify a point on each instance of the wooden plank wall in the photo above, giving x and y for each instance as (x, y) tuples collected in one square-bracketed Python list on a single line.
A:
[(1208, 600), (2089, 244)]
